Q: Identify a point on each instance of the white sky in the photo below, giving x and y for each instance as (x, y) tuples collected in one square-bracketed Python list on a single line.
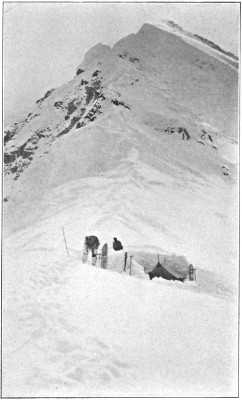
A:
[(45, 42)]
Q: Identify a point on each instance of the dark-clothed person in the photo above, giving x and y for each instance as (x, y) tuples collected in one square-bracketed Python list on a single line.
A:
[(117, 245)]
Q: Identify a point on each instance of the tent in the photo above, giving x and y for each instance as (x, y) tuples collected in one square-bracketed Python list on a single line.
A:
[(161, 272)]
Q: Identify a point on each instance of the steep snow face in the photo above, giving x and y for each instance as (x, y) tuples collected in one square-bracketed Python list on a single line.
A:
[(201, 43), (140, 145), (204, 89)]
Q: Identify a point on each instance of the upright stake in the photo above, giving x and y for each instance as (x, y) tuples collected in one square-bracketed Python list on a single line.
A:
[(158, 257), (130, 264), (65, 241)]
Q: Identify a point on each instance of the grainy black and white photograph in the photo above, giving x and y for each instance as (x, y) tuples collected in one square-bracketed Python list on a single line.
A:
[(120, 230)]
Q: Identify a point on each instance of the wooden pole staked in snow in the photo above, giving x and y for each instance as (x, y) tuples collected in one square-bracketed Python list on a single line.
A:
[(192, 273), (130, 264), (65, 241)]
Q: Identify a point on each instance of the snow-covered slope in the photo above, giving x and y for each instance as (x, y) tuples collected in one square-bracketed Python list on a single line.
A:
[(201, 43), (140, 145), (78, 330)]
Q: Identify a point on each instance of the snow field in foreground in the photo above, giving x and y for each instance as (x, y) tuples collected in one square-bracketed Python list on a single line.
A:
[(77, 330)]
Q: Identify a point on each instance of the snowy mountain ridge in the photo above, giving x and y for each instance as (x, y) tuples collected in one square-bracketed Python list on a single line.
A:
[(200, 42), (152, 112), (141, 145)]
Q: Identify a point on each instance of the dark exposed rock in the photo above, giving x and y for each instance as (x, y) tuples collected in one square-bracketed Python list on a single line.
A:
[(71, 106), (17, 167), (70, 126), (58, 104), (79, 125), (79, 71), (89, 92), (204, 135), (15, 153), (8, 158), (92, 94), (120, 103), (123, 56), (181, 130), (225, 170), (47, 94), (174, 25), (133, 59), (19, 158), (27, 152), (14, 168), (95, 73), (184, 132), (8, 135), (97, 84), (203, 64), (215, 46), (41, 133)]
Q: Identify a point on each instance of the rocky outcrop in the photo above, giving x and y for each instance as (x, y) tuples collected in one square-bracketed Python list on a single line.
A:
[(19, 158), (79, 71), (109, 79), (225, 170), (9, 133), (203, 64), (206, 138), (118, 102), (47, 94), (76, 109), (174, 130), (127, 57)]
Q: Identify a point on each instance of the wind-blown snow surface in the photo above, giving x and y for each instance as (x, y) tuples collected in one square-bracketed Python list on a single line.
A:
[(149, 157), (78, 330)]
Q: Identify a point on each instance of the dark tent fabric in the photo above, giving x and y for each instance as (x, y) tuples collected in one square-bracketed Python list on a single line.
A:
[(161, 272)]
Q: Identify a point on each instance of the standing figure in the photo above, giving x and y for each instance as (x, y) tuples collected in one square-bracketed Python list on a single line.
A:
[(91, 243), (117, 245)]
